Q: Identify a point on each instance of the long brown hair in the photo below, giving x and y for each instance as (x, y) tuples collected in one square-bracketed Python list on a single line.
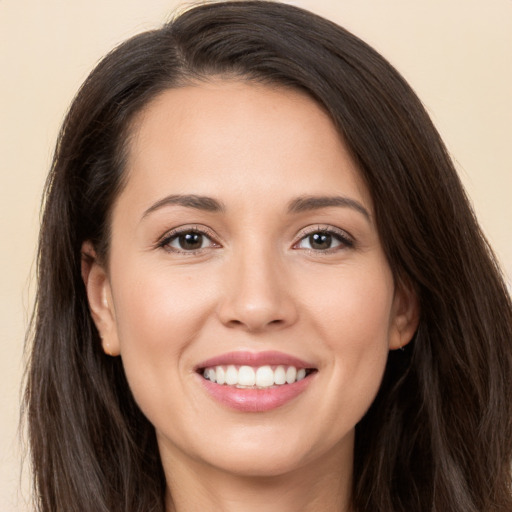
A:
[(438, 437)]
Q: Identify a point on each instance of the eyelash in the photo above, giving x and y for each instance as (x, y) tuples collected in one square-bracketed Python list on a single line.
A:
[(345, 240), (170, 236)]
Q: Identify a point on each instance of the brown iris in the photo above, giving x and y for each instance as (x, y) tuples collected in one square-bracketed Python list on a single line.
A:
[(190, 241), (320, 241)]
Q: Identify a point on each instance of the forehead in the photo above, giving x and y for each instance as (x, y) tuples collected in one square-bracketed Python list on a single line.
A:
[(237, 137)]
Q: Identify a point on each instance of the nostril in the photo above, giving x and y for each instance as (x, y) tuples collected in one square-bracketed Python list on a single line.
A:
[(254, 323)]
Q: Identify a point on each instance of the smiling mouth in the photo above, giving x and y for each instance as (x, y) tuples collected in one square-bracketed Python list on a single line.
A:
[(249, 377)]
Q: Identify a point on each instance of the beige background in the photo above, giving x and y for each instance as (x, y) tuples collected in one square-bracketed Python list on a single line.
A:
[(457, 54)]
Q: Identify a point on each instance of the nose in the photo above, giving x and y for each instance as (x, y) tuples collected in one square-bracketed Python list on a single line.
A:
[(258, 296)]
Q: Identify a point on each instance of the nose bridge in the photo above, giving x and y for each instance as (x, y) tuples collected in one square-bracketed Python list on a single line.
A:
[(257, 296)]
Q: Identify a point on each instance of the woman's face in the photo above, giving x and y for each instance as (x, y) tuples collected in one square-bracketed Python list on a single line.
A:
[(244, 248)]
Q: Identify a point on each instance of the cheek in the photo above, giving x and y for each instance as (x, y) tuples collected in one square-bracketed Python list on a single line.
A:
[(354, 321), (159, 309), (353, 307), (157, 317)]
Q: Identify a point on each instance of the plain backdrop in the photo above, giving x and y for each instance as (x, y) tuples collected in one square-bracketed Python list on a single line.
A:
[(457, 55)]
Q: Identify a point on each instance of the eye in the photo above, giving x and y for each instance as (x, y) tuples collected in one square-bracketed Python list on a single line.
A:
[(190, 241), (187, 241), (324, 240)]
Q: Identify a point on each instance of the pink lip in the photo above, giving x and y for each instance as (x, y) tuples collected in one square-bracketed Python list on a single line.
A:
[(255, 400), (255, 359)]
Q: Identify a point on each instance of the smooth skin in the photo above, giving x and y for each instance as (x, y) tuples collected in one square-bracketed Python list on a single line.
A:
[(257, 266)]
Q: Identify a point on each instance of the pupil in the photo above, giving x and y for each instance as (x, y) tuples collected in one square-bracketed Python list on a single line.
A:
[(191, 241), (320, 241)]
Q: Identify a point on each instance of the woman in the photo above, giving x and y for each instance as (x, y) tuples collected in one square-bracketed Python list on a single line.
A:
[(261, 285)]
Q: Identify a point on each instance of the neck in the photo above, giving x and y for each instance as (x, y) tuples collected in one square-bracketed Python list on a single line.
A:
[(320, 485)]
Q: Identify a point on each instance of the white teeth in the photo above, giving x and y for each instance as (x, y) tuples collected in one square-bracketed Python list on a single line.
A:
[(248, 377), (291, 374), (280, 375), (264, 377), (231, 376), (221, 375)]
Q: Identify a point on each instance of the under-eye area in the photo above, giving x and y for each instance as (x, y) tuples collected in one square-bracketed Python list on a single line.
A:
[(260, 377)]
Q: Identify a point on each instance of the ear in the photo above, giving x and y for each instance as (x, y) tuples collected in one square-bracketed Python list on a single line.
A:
[(99, 296), (405, 315)]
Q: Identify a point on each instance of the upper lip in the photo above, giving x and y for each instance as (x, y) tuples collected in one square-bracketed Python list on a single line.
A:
[(255, 359)]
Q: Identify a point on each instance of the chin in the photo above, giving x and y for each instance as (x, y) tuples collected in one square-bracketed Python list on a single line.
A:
[(274, 454), (259, 464)]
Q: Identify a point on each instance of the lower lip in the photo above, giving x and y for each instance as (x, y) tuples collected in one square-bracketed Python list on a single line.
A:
[(255, 400)]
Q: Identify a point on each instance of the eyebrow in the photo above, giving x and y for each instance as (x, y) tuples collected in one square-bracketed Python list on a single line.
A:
[(188, 201), (308, 203), (298, 205)]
